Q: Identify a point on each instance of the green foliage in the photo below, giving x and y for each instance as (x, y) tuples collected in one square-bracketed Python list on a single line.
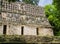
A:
[(33, 2), (57, 5), (51, 13)]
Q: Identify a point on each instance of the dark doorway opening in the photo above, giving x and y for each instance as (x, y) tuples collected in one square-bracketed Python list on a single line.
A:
[(4, 29), (22, 29), (37, 31), (0, 12)]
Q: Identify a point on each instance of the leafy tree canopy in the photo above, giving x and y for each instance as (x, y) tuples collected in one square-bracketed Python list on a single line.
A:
[(57, 5), (51, 13)]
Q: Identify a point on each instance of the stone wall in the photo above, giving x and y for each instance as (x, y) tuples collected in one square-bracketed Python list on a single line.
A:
[(30, 30), (19, 7), (18, 14), (45, 32), (1, 29), (25, 19), (13, 29)]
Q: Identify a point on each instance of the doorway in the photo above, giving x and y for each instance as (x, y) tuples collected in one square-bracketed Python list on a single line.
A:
[(37, 31), (4, 29), (22, 30)]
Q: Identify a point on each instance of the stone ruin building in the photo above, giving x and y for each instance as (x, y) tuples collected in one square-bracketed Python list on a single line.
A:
[(19, 18)]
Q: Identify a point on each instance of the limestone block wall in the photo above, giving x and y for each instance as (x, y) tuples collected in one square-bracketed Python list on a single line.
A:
[(20, 14), (45, 32), (25, 19), (17, 30), (26, 30), (20, 7), (29, 30), (1, 29), (13, 30)]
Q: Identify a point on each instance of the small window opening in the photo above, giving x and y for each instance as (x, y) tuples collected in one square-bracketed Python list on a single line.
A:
[(4, 29), (37, 31), (22, 29), (0, 12)]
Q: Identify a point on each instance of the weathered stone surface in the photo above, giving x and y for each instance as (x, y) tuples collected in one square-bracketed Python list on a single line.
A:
[(13, 30), (18, 14), (29, 9), (29, 30), (25, 19), (1, 29), (23, 13), (45, 32)]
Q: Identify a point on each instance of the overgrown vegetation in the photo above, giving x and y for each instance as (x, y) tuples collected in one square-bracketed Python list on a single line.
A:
[(28, 39), (53, 14)]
